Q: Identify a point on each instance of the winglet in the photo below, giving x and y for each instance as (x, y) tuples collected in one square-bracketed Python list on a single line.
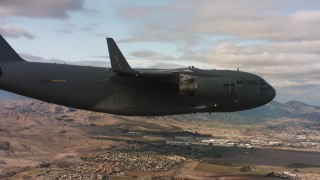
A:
[(7, 53), (118, 61)]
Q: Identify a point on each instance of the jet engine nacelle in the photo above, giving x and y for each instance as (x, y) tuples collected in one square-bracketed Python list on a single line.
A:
[(212, 88)]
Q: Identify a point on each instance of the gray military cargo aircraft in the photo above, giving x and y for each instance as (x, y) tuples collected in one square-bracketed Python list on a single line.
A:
[(122, 90)]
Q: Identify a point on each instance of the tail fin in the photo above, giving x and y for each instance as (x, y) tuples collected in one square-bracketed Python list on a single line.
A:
[(118, 61), (7, 53)]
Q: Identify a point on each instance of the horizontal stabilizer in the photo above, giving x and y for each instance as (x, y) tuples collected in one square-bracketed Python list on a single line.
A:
[(7, 53)]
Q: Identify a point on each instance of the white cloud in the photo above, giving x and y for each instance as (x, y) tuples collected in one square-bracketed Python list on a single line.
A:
[(12, 31), (186, 20), (58, 9), (273, 54), (39, 8), (146, 54), (295, 84)]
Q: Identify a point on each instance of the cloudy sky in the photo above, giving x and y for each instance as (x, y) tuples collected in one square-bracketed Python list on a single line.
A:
[(276, 39)]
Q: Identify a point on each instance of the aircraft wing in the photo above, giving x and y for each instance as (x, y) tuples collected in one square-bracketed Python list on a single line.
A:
[(145, 73)]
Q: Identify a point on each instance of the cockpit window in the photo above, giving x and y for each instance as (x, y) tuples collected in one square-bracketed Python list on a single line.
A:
[(262, 82)]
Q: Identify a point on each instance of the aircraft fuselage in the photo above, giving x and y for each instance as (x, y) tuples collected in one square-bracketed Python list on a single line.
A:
[(97, 89), (125, 91)]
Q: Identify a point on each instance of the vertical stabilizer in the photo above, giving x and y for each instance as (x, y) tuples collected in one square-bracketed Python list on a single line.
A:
[(7, 53), (118, 61)]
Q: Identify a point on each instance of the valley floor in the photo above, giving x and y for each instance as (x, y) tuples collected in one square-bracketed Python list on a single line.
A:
[(45, 141)]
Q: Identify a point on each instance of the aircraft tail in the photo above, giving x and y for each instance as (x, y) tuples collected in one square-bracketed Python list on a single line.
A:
[(7, 53), (118, 61)]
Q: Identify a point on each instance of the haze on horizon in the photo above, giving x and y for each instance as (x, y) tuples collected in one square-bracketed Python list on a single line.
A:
[(277, 39)]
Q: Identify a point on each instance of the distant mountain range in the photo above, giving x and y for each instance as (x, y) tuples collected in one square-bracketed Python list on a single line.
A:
[(291, 109), (273, 110)]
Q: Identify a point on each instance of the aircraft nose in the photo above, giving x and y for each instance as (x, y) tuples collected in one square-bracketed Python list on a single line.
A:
[(272, 93)]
